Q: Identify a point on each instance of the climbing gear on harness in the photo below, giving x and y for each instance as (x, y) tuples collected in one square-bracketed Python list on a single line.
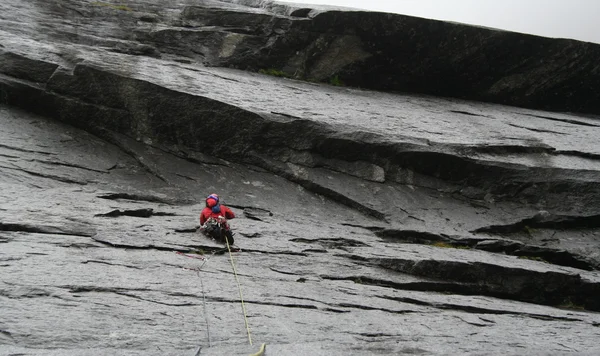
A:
[(218, 229)]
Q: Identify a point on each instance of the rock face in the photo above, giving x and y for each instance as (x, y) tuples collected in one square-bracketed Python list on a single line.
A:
[(362, 49), (369, 222)]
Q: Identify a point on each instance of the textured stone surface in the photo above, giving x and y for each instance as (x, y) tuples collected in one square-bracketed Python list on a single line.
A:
[(369, 222), (362, 49), (314, 276)]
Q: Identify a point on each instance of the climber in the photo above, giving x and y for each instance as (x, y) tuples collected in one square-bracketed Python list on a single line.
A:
[(213, 220)]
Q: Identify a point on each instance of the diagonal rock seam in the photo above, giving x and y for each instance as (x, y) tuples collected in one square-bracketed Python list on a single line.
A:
[(192, 249), (544, 220), (135, 197), (140, 213), (548, 288), (155, 247), (128, 293), (48, 176), (477, 310), (42, 229), (110, 264), (509, 247), (352, 305)]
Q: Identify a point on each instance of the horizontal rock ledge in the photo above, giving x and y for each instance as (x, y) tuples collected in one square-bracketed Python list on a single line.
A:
[(97, 99)]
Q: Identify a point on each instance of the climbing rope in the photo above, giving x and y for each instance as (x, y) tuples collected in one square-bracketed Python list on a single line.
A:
[(204, 304), (240, 290), (262, 349), (203, 294)]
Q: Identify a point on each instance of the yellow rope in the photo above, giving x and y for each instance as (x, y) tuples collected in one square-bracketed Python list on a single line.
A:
[(261, 351), (240, 289)]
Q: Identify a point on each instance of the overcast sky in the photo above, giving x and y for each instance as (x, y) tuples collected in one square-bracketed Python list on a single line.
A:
[(578, 19)]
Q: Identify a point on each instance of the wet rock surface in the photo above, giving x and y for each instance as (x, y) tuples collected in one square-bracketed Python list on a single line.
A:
[(364, 49), (317, 277), (368, 222)]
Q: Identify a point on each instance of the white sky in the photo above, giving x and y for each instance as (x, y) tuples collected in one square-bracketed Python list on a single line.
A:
[(578, 19)]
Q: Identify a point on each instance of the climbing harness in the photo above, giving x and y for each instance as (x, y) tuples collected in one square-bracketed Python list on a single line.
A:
[(217, 229)]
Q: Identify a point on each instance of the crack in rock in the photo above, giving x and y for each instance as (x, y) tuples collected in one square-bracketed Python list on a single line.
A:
[(370, 228), (42, 229), (291, 253), (71, 165), (473, 322), (537, 130), (511, 149), (476, 310), (26, 150), (254, 213), (284, 305), (412, 236), (547, 288), (252, 209), (253, 235), (283, 272), (135, 197), (373, 335), (86, 289), (8, 156), (156, 301), (508, 247), (316, 250), (352, 306), (188, 230), (444, 287), (140, 213), (6, 337), (111, 264), (332, 243), (568, 121), (549, 255), (48, 176), (200, 249), (466, 113), (8, 259), (25, 292), (543, 219), (587, 155), (121, 291), (134, 247)]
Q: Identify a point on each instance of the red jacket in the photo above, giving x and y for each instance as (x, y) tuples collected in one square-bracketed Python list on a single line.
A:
[(207, 214)]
